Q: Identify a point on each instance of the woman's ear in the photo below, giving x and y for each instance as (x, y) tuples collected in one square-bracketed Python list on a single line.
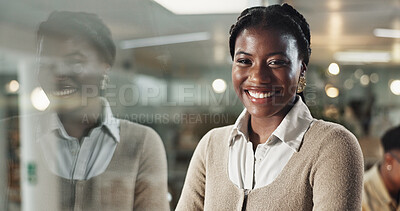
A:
[(303, 69), (107, 68)]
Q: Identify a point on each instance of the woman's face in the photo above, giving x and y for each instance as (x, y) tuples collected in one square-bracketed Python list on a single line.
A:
[(70, 72), (265, 71)]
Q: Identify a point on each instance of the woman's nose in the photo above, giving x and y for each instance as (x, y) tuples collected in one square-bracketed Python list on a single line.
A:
[(59, 71), (260, 73), (63, 70)]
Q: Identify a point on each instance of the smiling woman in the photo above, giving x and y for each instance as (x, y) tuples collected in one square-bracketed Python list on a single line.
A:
[(75, 55), (265, 79), (98, 161), (276, 156)]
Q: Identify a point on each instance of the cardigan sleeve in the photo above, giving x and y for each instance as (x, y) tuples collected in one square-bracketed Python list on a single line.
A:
[(337, 174), (151, 184), (193, 192)]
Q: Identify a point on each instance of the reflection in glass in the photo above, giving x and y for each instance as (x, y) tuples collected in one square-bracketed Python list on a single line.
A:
[(85, 158)]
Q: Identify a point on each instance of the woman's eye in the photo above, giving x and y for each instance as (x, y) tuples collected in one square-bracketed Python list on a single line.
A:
[(77, 67), (244, 61), (277, 63)]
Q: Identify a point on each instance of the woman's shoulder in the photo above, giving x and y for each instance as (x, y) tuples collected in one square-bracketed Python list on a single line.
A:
[(221, 131), (135, 127), (330, 135), (322, 128), (218, 134), (216, 137), (137, 132)]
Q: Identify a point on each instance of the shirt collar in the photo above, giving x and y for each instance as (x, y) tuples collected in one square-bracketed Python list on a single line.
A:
[(109, 121), (48, 122), (241, 124), (295, 124), (290, 131), (51, 122), (378, 185)]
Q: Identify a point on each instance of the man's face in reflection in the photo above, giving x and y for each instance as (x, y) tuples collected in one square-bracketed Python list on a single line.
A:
[(70, 72)]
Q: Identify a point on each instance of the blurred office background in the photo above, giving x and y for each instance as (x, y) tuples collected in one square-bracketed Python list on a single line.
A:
[(173, 69)]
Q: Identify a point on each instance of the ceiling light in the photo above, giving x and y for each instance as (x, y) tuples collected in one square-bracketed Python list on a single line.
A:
[(219, 86), (396, 52), (389, 33), (364, 80), (395, 87), (332, 92), (334, 5), (164, 40), (362, 56), (349, 84), (374, 78), (12, 86), (335, 25), (191, 7), (334, 69), (358, 73)]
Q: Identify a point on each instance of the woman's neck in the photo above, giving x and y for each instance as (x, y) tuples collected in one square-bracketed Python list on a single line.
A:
[(261, 128), (78, 123)]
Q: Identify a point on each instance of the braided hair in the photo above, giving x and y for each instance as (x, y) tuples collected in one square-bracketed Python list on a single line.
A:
[(80, 24), (282, 17)]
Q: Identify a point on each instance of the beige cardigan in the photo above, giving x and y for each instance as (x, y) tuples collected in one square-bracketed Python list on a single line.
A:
[(135, 179), (326, 174)]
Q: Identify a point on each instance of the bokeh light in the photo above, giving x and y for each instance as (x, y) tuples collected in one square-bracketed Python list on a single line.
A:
[(12, 86), (219, 85), (39, 99), (395, 87), (334, 69)]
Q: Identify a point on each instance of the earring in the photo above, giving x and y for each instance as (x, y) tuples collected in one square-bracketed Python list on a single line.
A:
[(104, 82), (302, 84), (389, 167)]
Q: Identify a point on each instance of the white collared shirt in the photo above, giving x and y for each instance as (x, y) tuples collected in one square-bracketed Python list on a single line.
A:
[(69, 159), (251, 170)]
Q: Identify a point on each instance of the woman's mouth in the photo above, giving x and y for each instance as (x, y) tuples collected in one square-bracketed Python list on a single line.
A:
[(261, 94), (64, 91)]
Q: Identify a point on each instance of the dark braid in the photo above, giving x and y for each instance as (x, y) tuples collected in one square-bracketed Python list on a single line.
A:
[(301, 21), (80, 24), (282, 17)]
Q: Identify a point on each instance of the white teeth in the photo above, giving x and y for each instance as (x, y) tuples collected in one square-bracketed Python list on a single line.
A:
[(256, 94), (64, 92)]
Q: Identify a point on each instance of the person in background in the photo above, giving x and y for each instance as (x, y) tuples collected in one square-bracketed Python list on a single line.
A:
[(101, 162), (276, 156), (381, 190)]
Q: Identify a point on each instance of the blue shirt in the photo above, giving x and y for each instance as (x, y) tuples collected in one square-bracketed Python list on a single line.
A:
[(70, 159)]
